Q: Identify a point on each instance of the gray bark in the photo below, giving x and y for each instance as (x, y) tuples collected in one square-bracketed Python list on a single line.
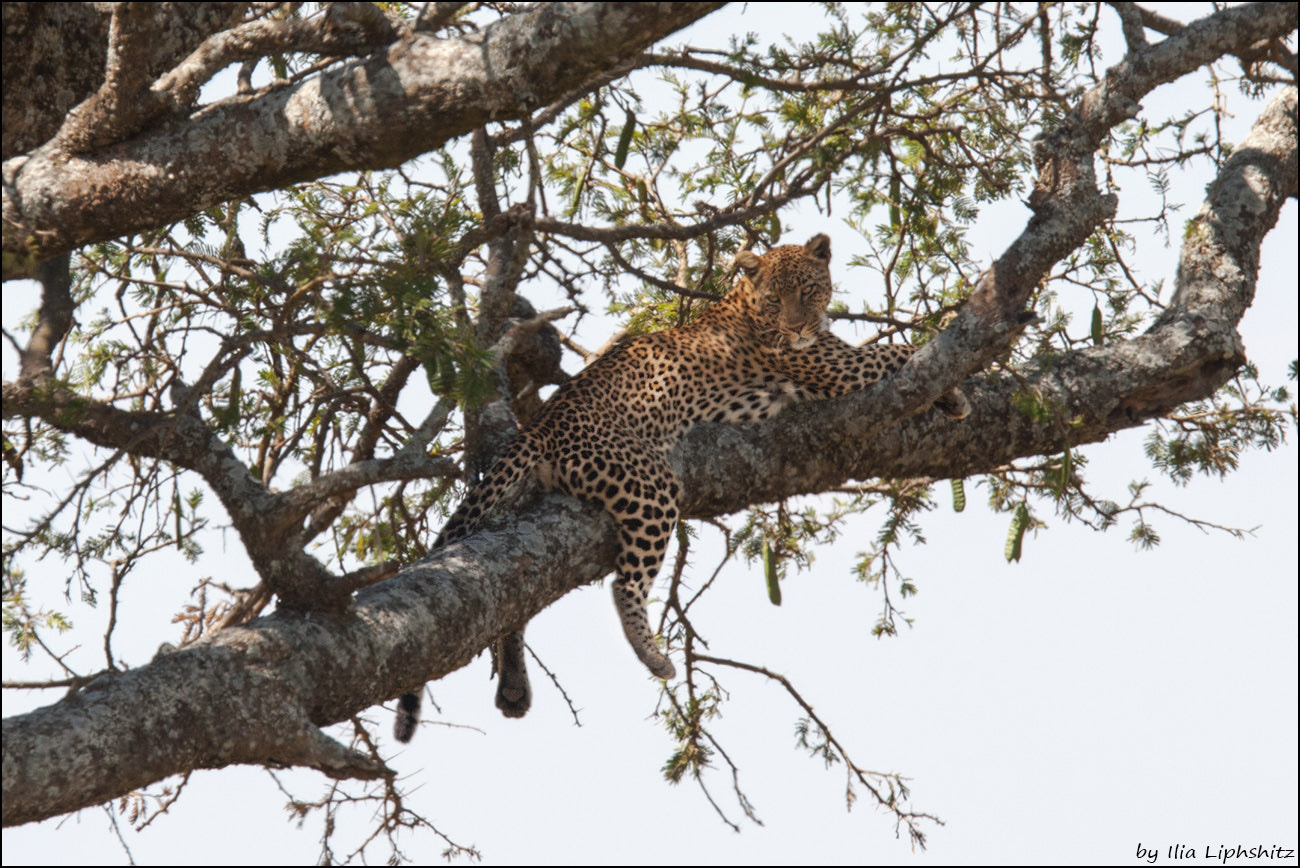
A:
[(55, 56), (409, 98), (259, 693)]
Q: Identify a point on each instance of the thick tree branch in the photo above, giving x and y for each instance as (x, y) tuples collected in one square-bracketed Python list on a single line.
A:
[(123, 100), (39, 95), (1130, 17), (252, 694), (407, 464), (413, 96), (257, 39), (434, 16), (1066, 202)]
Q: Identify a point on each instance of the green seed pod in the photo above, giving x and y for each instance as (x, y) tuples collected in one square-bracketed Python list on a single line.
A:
[(895, 190), (769, 570), (1016, 534), (625, 140), (1067, 470)]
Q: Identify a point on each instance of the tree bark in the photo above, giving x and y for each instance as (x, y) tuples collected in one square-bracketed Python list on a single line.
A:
[(409, 98), (39, 94)]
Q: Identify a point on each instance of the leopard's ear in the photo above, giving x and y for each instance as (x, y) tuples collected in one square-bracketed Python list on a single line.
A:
[(819, 247), (748, 261)]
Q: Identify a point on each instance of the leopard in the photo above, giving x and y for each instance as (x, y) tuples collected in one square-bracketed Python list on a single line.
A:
[(605, 435)]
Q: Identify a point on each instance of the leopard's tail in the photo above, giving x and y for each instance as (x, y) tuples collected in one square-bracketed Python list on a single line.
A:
[(500, 486)]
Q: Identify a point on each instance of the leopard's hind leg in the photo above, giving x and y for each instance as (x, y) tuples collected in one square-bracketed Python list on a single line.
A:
[(498, 488), (637, 487)]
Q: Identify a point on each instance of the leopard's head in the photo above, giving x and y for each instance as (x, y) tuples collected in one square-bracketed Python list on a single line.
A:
[(791, 289)]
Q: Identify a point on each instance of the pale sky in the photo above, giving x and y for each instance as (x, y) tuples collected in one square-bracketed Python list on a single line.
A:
[(1066, 709)]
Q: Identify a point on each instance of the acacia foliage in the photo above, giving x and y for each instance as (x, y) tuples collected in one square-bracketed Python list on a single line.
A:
[(325, 363)]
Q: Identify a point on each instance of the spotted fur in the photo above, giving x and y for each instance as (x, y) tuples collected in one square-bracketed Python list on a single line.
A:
[(606, 434)]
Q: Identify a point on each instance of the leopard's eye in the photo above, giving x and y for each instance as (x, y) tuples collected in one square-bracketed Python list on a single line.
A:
[(774, 301)]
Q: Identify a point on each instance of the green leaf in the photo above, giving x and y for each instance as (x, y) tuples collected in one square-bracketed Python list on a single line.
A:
[(1098, 337), (1016, 534)]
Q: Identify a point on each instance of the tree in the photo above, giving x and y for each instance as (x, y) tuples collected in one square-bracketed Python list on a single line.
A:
[(283, 381)]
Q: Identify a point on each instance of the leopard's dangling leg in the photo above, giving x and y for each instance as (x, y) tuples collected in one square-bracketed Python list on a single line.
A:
[(643, 535), (501, 485), (630, 600), (637, 487), (514, 695)]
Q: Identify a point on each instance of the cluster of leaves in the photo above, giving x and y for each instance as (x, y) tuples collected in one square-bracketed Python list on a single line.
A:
[(1209, 437), (285, 355)]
